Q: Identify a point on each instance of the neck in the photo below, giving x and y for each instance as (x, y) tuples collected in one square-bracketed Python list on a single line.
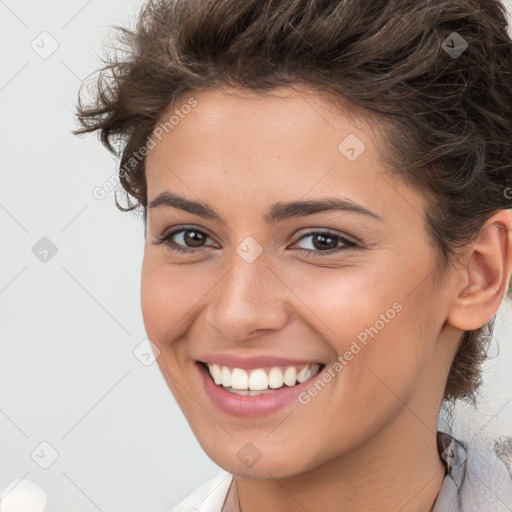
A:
[(398, 469)]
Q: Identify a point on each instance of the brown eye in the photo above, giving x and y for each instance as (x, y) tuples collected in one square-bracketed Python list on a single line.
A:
[(325, 242), (194, 238), (183, 240), (321, 241)]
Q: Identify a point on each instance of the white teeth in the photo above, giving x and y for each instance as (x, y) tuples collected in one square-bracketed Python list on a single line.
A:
[(303, 374), (241, 381), (216, 373), (258, 380), (290, 376), (275, 378), (226, 377), (249, 392)]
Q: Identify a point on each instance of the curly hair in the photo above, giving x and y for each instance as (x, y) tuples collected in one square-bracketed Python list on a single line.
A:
[(437, 75)]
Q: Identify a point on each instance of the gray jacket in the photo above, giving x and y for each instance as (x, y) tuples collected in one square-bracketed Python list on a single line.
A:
[(478, 479)]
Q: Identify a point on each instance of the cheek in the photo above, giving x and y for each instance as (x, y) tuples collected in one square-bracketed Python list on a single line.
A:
[(153, 297), (342, 302), (390, 349), (375, 325), (169, 296), (163, 298)]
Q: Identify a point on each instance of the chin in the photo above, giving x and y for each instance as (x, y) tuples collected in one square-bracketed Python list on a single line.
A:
[(247, 461)]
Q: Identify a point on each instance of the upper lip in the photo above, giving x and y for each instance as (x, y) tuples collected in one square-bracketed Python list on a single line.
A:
[(252, 362)]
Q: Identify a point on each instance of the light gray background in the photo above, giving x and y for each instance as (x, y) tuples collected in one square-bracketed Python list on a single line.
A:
[(69, 326)]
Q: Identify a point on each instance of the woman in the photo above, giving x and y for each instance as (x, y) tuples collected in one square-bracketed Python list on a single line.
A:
[(327, 191)]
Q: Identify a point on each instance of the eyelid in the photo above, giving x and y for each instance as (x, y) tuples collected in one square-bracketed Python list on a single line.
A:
[(326, 231), (346, 243), (346, 240), (171, 232)]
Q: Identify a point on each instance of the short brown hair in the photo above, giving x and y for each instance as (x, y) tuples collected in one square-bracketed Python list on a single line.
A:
[(448, 107)]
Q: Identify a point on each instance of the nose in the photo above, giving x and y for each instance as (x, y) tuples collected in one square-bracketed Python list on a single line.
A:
[(251, 298)]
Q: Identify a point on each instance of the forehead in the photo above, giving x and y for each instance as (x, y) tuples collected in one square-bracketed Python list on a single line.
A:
[(285, 143), (280, 107), (227, 125), (238, 151)]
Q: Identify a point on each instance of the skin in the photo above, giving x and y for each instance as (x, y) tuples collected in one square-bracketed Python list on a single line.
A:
[(367, 439)]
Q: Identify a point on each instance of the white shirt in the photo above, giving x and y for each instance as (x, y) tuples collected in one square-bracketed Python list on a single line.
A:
[(476, 481)]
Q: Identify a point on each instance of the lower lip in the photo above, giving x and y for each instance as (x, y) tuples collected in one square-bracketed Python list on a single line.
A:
[(251, 406)]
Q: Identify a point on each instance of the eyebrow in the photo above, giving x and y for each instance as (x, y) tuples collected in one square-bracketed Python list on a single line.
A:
[(277, 212)]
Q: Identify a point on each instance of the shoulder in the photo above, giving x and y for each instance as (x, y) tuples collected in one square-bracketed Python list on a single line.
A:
[(489, 481), (503, 449), (209, 497), (478, 477)]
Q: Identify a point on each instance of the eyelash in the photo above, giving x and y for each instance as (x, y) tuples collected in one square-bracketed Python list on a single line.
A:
[(350, 245)]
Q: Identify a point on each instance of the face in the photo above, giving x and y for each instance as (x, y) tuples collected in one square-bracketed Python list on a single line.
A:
[(263, 288)]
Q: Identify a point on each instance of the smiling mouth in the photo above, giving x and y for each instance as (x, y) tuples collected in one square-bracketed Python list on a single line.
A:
[(260, 381)]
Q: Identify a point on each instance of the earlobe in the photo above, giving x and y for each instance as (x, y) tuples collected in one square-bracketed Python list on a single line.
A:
[(483, 281)]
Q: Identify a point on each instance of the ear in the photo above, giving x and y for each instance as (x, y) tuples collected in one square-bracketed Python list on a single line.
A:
[(484, 279)]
